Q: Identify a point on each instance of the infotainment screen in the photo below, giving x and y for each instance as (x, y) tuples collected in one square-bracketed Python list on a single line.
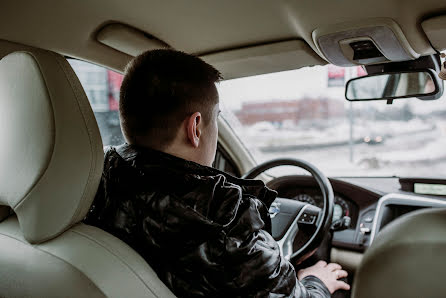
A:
[(430, 189)]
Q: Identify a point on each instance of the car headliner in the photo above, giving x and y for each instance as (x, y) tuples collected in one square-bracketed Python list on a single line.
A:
[(199, 26)]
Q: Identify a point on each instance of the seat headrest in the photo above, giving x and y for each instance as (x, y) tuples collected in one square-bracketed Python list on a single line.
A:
[(51, 154)]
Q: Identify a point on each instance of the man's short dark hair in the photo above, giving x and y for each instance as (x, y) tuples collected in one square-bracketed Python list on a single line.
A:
[(160, 89)]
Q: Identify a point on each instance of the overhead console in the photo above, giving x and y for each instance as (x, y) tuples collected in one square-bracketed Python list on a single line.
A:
[(367, 42), (435, 29)]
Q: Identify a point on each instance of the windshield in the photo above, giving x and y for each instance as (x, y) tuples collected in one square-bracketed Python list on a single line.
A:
[(304, 114)]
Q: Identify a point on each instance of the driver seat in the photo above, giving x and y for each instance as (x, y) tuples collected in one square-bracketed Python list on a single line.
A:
[(51, 161)]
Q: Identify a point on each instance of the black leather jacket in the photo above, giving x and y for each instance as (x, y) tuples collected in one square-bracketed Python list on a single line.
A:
[(203, 231)]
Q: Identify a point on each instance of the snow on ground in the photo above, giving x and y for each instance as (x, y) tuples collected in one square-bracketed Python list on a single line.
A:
[(432, 151), (265, 136), (413, 149)]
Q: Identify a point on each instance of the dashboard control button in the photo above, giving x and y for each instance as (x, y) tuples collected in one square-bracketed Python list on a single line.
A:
[(341, 224), (364, 230), (368, 216)]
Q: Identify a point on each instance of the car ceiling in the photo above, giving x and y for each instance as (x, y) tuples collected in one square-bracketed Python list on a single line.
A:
[(199, 26)]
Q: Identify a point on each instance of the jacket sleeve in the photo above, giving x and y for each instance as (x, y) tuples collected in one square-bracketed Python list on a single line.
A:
[(314, 287), (254, 266)]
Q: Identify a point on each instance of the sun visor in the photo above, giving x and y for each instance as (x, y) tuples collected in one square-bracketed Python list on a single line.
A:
[(262, 59), (363, 43), (435, 29), (128, 40)]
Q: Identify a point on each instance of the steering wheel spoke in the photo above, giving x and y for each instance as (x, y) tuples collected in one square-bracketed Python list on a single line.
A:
[(286, 243), (303, 215)]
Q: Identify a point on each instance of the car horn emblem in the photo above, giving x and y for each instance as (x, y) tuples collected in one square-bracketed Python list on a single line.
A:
[(274, 209)]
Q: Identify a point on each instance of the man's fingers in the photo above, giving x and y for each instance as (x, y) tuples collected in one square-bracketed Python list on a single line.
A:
[(321, 264), (340, 285), (334, 267), (341, 274)]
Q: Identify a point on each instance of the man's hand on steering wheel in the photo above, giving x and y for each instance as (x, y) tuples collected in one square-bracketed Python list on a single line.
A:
[(328, 274)]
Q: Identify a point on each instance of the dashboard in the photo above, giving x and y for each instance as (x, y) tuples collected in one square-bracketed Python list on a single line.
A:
[(343, 207), (371, 203)]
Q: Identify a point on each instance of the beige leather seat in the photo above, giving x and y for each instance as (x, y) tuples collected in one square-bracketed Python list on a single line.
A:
[(50, 165), (407, 259)]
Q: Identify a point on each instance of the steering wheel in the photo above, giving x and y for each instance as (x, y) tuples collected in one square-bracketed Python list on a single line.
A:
[(288, 215)]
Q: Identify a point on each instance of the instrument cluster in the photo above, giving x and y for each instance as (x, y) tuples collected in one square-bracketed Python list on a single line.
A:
[(342, 206)]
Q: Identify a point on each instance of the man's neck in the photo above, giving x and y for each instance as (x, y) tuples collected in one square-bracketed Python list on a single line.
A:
[(184, 153)]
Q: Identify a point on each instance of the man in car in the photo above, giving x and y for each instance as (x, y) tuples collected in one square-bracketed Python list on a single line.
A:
[(203, 231)]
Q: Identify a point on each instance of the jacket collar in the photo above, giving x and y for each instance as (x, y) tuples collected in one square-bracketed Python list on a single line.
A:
[(143, 156)]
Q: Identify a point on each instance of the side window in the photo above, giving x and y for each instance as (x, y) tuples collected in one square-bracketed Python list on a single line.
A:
[(102, 88), (223, 162)]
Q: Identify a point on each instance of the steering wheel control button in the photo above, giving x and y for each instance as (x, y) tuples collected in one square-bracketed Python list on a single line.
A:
[(307, 218)]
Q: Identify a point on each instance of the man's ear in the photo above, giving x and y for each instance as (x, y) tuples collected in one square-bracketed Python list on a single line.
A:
[(194, 129)]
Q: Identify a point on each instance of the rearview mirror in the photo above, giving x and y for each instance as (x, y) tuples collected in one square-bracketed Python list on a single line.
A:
[(419, 83)]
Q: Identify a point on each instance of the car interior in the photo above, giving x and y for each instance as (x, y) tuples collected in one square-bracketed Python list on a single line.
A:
[(60, 71)]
